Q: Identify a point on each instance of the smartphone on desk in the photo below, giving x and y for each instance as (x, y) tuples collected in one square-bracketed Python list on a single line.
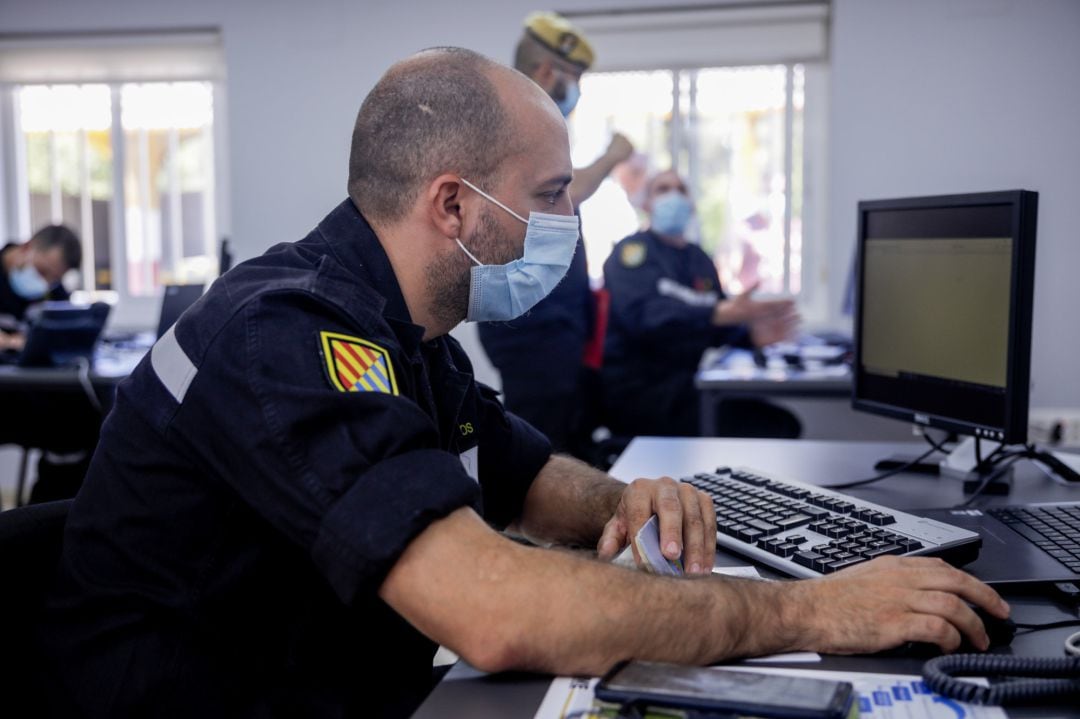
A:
[(708, 692)]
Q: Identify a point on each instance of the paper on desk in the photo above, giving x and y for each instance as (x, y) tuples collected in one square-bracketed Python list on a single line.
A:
[(567, 695), (881, 696), (744, 572), (894, 696)]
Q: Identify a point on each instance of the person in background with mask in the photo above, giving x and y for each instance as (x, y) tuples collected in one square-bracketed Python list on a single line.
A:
[(539, 355), (667, 308), (297, 493), (31, 273), (65, 435)]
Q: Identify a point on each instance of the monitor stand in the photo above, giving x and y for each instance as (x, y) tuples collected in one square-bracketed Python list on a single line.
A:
[(960, 462)]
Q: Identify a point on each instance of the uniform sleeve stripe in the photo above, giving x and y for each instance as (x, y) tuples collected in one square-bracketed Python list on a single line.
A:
[(687, 295), (173, 367)]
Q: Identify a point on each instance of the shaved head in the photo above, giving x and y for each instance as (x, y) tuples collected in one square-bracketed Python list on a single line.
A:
[(440, 111)]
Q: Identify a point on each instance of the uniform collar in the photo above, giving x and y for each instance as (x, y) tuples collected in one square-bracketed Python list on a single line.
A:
[(355, 245)]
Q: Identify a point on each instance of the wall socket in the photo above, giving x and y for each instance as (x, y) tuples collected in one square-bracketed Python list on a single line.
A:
[(1054, 426)]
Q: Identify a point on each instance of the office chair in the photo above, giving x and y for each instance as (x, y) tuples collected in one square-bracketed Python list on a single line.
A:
[(30, 542)]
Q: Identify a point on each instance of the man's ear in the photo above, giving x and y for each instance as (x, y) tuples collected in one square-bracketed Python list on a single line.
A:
[(545, 75), (443, 205)]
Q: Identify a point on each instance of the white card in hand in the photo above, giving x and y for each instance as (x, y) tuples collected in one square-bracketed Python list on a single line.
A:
[(647, 542)]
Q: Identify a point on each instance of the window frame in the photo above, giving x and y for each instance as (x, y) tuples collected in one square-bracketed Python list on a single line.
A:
[(733, 35), (187, 54)]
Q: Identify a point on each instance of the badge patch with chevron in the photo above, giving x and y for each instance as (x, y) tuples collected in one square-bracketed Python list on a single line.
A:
[(357, 365)]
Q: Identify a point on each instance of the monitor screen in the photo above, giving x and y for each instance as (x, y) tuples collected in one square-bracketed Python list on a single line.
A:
[(943, 311), (175, 300)]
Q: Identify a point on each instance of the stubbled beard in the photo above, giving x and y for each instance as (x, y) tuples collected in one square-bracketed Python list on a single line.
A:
[(449, 275), (448, 287)]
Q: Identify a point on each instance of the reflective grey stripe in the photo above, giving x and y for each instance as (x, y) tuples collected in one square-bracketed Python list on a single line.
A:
[(692, 297), (172, 365)]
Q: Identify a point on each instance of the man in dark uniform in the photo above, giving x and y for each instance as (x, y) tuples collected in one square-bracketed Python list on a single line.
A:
[(66, 433), (539, 355), (31, 272), (667, 307), (294, 497)]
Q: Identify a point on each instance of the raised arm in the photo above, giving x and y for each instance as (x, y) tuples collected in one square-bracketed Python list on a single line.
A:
[(587, 179)]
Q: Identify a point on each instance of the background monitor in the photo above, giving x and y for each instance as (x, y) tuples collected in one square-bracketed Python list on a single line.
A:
[(943, 311), (175, 300), (61, 333)]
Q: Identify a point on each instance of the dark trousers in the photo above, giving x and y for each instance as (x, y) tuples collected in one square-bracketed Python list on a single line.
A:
[(63, 426)]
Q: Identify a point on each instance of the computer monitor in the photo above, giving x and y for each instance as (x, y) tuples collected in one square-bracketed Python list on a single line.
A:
[(943, 311), (61, 334), (174, 302)]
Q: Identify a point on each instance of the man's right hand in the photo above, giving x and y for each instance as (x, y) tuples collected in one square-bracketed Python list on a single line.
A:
[(12, 342), (619, 149), (769, 321), (889, 601)]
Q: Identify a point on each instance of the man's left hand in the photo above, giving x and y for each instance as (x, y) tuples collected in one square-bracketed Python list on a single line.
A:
[(686, 516)]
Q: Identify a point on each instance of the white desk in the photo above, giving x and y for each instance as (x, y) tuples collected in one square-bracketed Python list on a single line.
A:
[(819, 396), (519, 695)]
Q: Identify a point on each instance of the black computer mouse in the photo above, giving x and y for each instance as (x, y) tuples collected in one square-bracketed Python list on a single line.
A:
[(999, 631)]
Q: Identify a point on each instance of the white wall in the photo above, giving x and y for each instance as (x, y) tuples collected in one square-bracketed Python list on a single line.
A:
[(927, 96), (949, 96), (297, 72)]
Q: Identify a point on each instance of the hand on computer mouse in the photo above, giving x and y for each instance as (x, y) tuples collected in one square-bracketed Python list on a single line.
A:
[(999, 631)]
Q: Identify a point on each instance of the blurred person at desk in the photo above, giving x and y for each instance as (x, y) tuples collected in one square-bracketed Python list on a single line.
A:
[(667, 308), (540, 354), (31, 273), (65, 434), (299, 494)]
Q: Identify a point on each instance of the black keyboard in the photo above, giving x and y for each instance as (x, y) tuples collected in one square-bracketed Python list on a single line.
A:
[(1054, 528), (806, 531)]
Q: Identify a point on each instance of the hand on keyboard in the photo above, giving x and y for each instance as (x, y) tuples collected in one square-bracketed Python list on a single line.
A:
[(891, 600), (687, 522)]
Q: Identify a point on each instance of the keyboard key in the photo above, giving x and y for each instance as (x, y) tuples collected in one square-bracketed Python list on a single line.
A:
[(882, 551), (750, 534), (794, 520), (786, 550), (839, 564), (766, 527), (806, 559)]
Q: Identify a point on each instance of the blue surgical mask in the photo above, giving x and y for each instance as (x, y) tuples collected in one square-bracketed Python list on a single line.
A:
[(28, 283), (671, 214), (505, 292), (570, 99)]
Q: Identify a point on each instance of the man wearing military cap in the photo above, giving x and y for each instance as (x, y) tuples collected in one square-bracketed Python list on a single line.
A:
[(539, 355)]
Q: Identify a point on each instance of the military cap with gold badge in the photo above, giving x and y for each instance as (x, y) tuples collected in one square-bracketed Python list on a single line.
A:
[(557, 34)]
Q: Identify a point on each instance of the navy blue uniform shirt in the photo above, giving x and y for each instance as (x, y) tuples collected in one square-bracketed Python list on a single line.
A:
[(660, 317), (263, 469)]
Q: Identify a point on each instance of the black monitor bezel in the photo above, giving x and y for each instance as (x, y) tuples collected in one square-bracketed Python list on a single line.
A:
[(1012, 429)]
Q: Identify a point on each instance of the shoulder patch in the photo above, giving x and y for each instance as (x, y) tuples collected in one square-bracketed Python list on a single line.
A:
[(632, 254), (357, 365)]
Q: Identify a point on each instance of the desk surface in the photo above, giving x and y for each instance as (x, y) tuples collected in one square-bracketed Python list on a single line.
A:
[(735, 372), (110, 366), (519, 695)]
